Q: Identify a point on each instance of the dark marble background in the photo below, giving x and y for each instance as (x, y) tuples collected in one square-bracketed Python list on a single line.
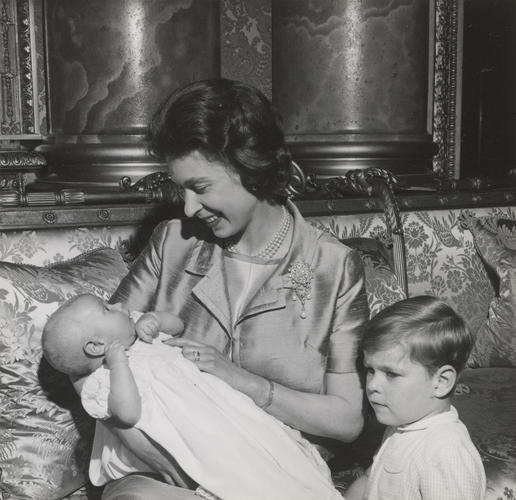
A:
[(351, 66), (239, 45), (111, 63)]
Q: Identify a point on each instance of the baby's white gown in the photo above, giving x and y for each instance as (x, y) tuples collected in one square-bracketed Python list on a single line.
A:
[(218, 435)]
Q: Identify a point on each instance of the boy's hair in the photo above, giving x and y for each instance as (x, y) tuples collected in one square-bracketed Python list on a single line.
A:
[(62, 341), (433, 333)]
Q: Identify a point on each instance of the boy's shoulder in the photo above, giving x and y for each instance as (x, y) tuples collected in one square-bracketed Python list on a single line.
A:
[(450, 432), (447, 443)]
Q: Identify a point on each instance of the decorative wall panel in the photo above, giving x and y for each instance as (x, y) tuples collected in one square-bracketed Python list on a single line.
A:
[(351, 81), (246, 41)]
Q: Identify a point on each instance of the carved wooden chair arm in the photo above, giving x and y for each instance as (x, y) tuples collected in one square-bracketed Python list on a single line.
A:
[(378, 183)]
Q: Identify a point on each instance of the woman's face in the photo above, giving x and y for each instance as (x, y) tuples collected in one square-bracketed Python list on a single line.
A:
[(213, 193)]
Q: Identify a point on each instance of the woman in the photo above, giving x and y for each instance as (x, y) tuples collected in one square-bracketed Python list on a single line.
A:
[(271, 305)]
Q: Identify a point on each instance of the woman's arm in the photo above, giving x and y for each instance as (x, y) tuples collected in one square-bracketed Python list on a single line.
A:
[(137, 289), (336, 414)]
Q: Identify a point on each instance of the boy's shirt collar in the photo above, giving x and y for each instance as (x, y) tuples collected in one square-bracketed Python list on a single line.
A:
[(444, 417)]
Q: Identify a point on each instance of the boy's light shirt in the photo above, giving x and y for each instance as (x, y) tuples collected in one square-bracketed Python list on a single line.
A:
[(431, 459)]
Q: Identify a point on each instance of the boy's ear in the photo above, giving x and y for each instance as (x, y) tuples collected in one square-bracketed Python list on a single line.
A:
[(94, 348), (444, 381)]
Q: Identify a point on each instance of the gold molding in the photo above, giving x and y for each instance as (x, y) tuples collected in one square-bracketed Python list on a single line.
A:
[(445, 88), (18, 107)]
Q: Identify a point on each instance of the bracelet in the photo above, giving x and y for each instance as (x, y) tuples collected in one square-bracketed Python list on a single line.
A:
[(269, 396)]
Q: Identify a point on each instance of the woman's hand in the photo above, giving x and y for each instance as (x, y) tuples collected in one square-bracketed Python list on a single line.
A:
[(207, 358), (336, 414)]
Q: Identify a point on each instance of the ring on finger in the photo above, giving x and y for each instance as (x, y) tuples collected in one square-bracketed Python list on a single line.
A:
[(196, 356)]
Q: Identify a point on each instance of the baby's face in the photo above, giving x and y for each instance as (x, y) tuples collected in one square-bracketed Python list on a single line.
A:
[(110, 321), (400, 390)]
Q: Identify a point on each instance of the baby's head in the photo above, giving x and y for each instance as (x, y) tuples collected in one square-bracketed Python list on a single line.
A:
[(413, 351), (75, 336)]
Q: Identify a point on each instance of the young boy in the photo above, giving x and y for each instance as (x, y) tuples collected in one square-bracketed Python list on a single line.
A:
[(219, 436), (413, 352)]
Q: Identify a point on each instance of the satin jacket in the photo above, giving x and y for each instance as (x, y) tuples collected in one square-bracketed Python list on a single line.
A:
[(182, 270)]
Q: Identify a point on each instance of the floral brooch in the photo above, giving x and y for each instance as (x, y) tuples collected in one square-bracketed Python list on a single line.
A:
[(301, 276)]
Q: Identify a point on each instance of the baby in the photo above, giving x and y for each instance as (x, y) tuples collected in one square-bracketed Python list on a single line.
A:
[(227, 444), (413, 352)]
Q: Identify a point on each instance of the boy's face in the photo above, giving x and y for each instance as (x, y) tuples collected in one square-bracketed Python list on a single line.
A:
[(109, 321), (400, 391)]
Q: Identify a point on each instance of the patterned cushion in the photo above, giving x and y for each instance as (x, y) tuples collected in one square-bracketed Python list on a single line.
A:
[(48, 246), (44, 434), (369, 236), (495, 240), (382, 286), (442, 261)]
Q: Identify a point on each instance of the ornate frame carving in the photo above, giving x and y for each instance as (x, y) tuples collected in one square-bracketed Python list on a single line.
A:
[(18, 80), (446, 87)]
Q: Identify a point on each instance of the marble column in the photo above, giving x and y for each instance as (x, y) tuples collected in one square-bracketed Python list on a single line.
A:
[(351, 79), (110, 64)]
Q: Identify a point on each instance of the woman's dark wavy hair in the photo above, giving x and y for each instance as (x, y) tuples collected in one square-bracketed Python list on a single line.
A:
[(228, 121), (433, 333)]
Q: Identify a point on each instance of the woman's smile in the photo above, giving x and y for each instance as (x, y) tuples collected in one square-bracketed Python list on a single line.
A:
[(211, 220), (213, 193)]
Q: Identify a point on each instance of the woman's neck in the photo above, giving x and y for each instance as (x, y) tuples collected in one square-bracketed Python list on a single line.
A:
[(266, 233)]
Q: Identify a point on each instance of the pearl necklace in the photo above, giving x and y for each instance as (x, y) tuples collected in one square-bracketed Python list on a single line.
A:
[(269, 251)]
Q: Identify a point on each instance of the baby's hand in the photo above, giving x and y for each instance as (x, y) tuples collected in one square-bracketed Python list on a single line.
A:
[(115, 354), (147, 327)]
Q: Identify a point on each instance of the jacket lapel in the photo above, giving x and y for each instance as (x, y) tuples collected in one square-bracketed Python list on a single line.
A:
[(270, 296), (273, 294), (206, 260)]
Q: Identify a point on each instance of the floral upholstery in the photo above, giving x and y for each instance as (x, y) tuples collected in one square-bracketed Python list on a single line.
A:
[(45, 437), (495, 239), (441, 260), (48, 246), (375, 250), (440, 252)]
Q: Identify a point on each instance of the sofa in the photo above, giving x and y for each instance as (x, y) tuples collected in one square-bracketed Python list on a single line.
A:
[(465, 256)]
